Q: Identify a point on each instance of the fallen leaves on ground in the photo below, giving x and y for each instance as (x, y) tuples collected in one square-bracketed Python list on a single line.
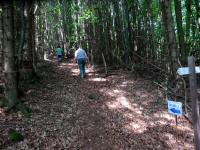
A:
[(116, 113)]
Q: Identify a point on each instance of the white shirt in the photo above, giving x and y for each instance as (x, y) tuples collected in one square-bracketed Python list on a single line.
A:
[(80, 53)]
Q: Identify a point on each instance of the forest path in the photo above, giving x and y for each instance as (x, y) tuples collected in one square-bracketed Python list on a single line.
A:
[(117, 112)]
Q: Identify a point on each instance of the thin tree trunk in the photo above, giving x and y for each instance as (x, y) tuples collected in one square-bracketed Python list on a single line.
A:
[(150, 29), (64, 24), (197, 5), (197, 42), (180, 29), (126, 31), (30, 38), (1, 48), (22, 38), (11, 92), (188, 25), (117, 23)]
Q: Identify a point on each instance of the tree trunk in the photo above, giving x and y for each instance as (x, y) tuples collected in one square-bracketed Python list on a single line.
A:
[(169, 35), (188, 26), (30, 40), (150, 29), (118, 26), (1, 48), (180, 29), (64, 24), (11, 92), (21, 37), (127, 33), (197, 5)]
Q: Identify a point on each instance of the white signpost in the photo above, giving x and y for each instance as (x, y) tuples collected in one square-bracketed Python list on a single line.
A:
[(185, 70), (192, 71)]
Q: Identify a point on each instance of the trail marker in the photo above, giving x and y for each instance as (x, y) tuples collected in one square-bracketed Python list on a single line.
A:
[(175, 108), (195, 104), (185, 70), (192, 71)]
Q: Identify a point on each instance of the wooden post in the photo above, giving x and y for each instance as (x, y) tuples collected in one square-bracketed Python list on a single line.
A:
[(195, 105), (104, 61)]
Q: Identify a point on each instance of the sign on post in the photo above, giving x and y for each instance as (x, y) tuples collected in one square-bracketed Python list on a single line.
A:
[(175, 108), (195, 104), (192, 70), (185, 70)]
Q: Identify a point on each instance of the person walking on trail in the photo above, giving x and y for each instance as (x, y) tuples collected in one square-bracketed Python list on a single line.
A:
[(59, 52), (81, 58)]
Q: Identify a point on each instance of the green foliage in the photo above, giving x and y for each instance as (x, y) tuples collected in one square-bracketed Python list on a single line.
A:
[(76, 8), (89, 16), (130, 3), (85, 19), (26, 111), (15, 136)]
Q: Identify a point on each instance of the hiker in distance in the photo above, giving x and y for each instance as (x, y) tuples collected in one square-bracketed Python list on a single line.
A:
[(81, 58), (59, 52)]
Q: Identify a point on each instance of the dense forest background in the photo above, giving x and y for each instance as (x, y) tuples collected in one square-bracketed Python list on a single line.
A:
[(130, 34), (135, 48)]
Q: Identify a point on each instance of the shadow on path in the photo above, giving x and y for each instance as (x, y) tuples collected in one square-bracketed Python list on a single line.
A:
[(117, 112)]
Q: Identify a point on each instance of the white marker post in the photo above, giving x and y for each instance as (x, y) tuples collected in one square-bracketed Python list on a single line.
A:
[(195, 105), (192, 71), (185, 70)]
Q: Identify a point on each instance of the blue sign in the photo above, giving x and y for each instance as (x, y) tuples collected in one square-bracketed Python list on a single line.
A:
[(175, 108)]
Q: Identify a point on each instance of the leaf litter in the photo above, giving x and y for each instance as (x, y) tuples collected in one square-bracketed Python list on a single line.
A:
[(117, 112)]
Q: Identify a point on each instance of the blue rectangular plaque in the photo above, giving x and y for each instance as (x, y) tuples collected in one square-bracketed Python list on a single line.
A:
[(175, 108)]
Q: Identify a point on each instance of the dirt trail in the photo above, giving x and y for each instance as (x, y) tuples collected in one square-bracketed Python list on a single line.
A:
[(114, 113)]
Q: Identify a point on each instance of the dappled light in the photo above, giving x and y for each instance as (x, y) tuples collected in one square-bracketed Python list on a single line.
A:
[(137, 126), (97, 79), (1, 111), (115, 109), (99, 75), (126, 83)]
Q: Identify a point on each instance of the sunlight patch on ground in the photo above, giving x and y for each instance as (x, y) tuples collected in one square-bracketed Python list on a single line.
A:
[(112, 93), (170, 139), (1, 111), (108, 92), (120, 102), (70, 64), (97, 79), (185, 128), (137, 126), (124, 102), (76, 71), (142, 94), (126, 83), (62, 66), (90, 73), (119, 92), (113, 105), (163, 114)]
